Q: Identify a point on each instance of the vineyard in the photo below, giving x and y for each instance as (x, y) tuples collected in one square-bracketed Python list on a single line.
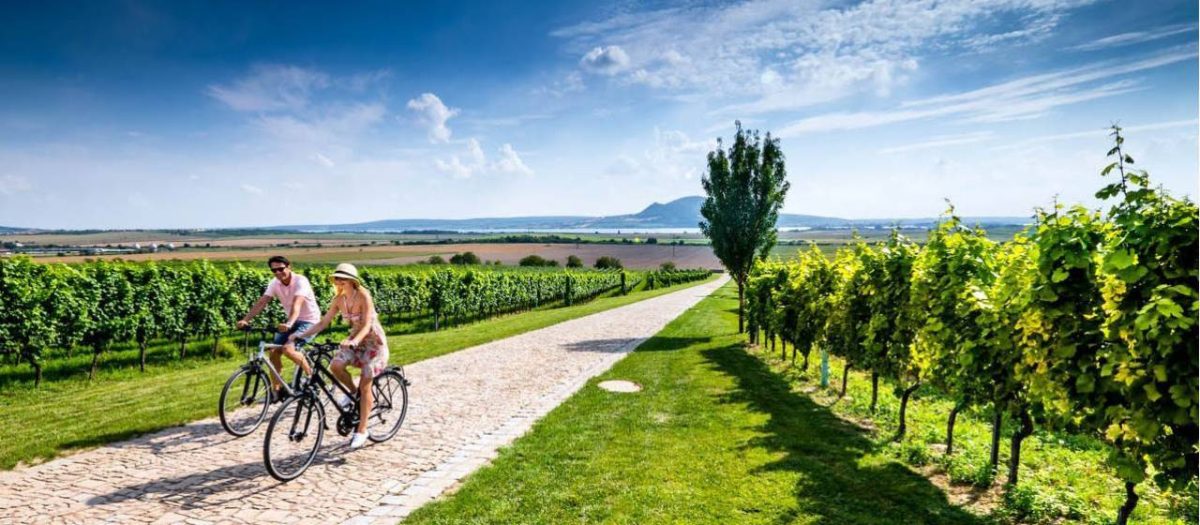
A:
[(48, 311), (1086, 323)]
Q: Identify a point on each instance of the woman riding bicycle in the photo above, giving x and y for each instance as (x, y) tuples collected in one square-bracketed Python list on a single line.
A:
[(365, 347)]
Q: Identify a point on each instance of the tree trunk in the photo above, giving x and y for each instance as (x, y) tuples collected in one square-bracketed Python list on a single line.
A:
[(997, 423), (37, 369), (874, 390), (216, 341), (904, 409), (742, 306), (1014, 459), (95, 362), (182, 347), (805, 366), (845, 375), (1131, 499), (950, 427), (142, 355)]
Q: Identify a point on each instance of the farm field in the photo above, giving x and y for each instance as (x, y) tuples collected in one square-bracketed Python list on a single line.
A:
[(634, 256)]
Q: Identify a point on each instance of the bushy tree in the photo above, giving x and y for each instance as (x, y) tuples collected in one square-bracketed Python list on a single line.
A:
[(608, 263), (745, 189), (574, 261)]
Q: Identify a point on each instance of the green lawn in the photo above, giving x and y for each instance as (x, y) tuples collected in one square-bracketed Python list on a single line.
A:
[(72, 413), (722, 434), (714, 437)]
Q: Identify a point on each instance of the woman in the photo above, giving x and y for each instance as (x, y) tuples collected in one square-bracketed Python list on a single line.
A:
[(365, 347)]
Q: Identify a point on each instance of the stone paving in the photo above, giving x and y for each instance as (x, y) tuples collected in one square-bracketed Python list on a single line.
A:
[(463, 407)]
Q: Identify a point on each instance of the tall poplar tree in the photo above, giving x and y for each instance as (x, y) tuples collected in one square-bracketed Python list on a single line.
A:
[(745, 188)]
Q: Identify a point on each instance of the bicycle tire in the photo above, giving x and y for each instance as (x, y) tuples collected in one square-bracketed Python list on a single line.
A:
[(300, 410), (256, 381), (390, 391)]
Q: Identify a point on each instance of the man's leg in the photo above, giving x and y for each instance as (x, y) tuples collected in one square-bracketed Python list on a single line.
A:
[(273, 356)]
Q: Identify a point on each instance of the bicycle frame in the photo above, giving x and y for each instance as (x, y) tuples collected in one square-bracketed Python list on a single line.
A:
[(321, 374)]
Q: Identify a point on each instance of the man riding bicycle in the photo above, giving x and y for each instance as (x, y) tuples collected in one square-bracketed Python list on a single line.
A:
[(295, 294)]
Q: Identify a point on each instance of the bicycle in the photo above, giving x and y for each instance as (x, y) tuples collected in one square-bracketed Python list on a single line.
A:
[(297, 429), (253, 388)]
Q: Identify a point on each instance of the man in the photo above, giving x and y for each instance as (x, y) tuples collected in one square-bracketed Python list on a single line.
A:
[(296, 296)]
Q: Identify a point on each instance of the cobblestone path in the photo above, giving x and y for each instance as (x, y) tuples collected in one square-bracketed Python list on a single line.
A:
[(463, 406)]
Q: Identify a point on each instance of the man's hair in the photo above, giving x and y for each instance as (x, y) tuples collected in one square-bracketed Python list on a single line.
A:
[(279, 259)]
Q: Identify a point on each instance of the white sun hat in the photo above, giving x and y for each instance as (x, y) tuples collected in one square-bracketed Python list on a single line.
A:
[(345, 271)]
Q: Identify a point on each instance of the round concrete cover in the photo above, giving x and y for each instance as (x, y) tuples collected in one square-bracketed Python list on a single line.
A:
[(620, 386)]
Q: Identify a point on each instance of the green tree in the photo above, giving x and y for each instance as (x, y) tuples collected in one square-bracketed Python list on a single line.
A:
[(745, 189), (608, 263), (574, 262)]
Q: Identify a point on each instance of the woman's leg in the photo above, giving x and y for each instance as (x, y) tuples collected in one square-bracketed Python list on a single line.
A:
[(338, 367), (365, 401)]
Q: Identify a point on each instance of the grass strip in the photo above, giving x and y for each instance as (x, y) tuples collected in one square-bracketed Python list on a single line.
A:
[(715, 436), (39, 424)]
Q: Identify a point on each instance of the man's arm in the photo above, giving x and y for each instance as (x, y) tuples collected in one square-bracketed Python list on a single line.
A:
[(254, 311), (295, 313)]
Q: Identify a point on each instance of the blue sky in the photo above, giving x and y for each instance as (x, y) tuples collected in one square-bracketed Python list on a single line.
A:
[(185, 114)]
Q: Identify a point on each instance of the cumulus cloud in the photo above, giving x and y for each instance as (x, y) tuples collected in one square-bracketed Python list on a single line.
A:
[(433, 114), (605, 60), (510, 162), (474, 162), (270, 88)]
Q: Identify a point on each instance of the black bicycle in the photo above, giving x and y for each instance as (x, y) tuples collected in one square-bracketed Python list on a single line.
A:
[(297, 429), (247, 394)]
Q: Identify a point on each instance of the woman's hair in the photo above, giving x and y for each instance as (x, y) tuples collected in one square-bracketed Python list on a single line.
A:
[(357, 286)]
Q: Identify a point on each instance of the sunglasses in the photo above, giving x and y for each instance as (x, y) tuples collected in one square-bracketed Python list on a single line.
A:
[(278, 269)]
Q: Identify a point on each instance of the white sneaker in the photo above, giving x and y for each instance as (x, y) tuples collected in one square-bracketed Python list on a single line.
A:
[(357, 440), (343, 401)]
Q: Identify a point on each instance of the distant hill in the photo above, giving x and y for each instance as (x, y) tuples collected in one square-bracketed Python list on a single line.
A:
[(679, 213)]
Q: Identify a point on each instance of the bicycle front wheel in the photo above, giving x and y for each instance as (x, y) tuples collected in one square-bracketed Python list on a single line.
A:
[(391, 405), (293, 438), (244, 401)]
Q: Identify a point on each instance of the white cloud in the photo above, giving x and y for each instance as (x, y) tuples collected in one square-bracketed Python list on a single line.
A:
[(1135, 37), (672, 156), (474, 162), (1098, 133), (252, 189), (1023, 98), (434, 115), (510, 162), (322, 160), (605, 60), (13, 184), (939, 142), (816, 52), (271, 88)]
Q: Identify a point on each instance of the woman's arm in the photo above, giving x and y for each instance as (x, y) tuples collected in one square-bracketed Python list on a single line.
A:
[(368, 319), (334, 308)]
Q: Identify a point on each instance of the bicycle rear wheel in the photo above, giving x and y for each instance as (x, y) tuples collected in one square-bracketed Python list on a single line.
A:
[(390, 391), (244, 401), (293, 438)]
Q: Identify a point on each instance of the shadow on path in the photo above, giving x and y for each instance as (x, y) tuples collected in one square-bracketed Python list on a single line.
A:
[(841, 480), (653, 344)]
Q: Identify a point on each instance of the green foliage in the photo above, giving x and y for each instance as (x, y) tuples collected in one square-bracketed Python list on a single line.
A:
[(606, 262), (573, 261), (745, 189), (953, 350), (464, 258)]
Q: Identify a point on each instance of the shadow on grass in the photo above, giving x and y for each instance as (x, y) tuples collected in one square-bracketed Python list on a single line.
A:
[(840, 479), (653, 344)]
